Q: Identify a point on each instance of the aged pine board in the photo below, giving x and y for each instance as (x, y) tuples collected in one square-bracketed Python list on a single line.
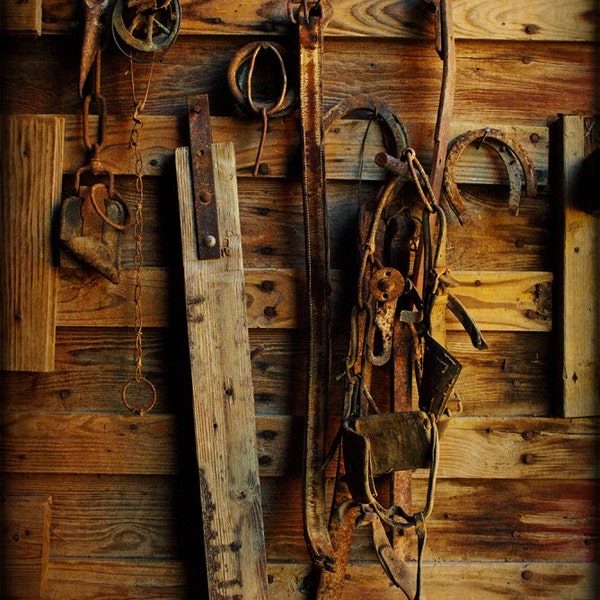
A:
[(343, 147), (498, 301), (519, 83), (74, 579), (222, 389), (155, 580), (142, 516), (25, 544), (31, 182), (21, 18), (507, 20), (545, 520), (472, 447), (579, 272)]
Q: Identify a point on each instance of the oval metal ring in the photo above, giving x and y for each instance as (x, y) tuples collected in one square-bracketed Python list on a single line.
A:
[(240, 75), (102, 214), (513, 155)]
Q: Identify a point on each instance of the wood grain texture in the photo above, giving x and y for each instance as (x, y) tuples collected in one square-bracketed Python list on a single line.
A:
[(579, 328), (25, 545), (343, 147), (222, 390), (21, 18), (31, 188), (504, 448), (155, 580), (498, 301), (377, 18), (518, 83)]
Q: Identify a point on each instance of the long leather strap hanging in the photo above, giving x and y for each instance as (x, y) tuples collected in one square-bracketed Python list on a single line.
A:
[(312, 19)]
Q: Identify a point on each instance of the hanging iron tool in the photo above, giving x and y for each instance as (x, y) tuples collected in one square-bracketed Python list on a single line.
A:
[(265, 103), (93, 36), (387, 284), (311, 19), (94, 218)]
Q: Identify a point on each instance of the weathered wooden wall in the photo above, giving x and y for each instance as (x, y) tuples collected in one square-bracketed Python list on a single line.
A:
[(110, 501)]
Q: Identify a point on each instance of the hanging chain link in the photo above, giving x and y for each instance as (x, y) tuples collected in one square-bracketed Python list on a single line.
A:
[(138, 259)]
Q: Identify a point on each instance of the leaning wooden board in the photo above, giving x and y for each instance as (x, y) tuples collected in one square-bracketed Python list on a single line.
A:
[(222, 391)]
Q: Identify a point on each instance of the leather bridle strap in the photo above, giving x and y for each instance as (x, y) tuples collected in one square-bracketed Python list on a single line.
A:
[(311, 19)]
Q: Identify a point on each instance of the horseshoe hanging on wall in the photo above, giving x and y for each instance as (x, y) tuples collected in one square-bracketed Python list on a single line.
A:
[(518, 165), (146, 26)]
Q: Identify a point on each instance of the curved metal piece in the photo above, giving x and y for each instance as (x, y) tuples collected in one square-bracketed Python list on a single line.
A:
[(240, 75), (518, 164), (396, 139)]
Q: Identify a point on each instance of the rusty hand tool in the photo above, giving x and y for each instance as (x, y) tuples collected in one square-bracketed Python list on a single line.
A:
[(93, 32), (311, 20)]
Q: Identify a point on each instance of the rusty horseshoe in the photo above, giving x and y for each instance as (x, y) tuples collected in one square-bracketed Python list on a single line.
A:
[(514, 156)]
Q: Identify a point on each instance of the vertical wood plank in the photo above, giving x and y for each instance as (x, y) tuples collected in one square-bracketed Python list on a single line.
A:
[(25, 545), (31, 173), (223, 393), (580, 272), (18, 17)]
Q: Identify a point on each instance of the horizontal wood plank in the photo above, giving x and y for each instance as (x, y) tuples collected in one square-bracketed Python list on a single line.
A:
[(517, 83), (141, 517), (472, 447), (127, 580), (498, 301), (511, 20), (155, 580), (343, 147)]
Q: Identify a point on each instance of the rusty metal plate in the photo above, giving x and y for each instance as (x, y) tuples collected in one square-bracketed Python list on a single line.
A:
[(203, 181)]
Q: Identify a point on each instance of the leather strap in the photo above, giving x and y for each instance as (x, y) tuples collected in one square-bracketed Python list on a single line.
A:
[(311, 23)]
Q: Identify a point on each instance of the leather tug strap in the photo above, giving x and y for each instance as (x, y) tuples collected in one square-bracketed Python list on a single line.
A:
[(311, 22)]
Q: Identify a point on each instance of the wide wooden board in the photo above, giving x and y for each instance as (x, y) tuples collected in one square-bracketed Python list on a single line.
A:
[(222, 390)]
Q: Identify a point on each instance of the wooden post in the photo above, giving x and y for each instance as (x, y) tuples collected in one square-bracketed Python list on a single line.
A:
[(223, 393), (32, 153), (578, 322)]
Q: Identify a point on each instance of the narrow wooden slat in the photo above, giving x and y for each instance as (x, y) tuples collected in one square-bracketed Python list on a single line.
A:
[(222, 389), (472, 447), (31, 186), (375, 18), (579, 329), (21, 18), (343, 147), (25, 545)]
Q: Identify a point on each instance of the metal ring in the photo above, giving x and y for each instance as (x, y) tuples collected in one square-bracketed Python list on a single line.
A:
[(137, 410), (240, 75)]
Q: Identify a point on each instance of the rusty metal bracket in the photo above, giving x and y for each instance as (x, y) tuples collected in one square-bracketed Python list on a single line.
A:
[(203, 180)]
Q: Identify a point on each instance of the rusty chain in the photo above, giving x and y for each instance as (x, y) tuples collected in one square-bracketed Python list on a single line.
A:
[(138, 259)]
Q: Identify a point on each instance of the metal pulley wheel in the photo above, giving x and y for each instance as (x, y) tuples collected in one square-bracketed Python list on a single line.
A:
[(146, 26)]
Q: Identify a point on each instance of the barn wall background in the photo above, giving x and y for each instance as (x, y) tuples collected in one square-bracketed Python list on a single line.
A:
[(98, 503)]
